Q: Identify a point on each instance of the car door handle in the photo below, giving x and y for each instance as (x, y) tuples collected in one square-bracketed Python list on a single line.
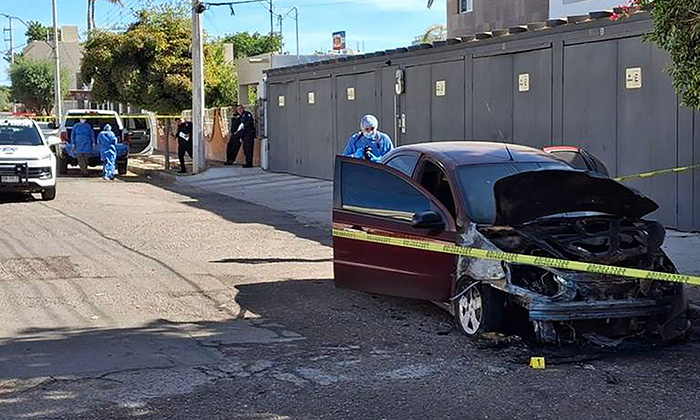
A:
[(355, 229)]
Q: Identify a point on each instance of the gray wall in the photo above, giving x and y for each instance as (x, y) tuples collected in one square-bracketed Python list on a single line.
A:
[(577, 96)]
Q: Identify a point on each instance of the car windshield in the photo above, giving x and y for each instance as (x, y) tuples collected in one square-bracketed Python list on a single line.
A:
[(477, 181), (97, 123), (22, 135)]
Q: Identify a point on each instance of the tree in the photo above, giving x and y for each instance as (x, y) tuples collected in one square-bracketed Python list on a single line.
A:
[(676, 30), (4, 98), (36, 31), (150, 64), (247, 45), (433, 33), (33, 83), (91, 13)]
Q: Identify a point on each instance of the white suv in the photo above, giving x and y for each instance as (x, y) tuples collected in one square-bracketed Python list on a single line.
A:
[(27, 163)]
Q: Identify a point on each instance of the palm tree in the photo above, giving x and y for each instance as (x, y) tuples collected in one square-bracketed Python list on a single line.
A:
[(91, 13)]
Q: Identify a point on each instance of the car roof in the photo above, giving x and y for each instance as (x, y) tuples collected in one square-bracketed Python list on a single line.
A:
[(91, 111), (459, 153), (17, 122)]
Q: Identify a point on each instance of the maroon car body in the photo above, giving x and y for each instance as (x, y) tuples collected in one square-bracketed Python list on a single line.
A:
[(513, 198)]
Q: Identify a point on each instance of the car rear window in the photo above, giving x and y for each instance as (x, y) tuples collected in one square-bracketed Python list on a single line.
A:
[(97, 123), (12, 135), (477, 181)]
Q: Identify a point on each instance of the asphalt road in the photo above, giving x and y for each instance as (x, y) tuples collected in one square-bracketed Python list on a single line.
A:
[(131, 300)]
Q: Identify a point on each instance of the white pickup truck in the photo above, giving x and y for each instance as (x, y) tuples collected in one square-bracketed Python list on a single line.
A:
[(27, 163)]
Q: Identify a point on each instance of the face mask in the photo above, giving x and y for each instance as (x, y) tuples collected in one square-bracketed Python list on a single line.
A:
[(370, 135)]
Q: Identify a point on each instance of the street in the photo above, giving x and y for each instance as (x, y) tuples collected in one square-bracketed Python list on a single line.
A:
[(129, 299)]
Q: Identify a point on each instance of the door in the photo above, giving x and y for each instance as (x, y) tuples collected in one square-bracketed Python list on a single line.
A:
[(140, 135), (380, 200)]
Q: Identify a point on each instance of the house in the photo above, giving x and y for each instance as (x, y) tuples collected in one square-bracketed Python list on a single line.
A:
[(467, 17), (70, 53)]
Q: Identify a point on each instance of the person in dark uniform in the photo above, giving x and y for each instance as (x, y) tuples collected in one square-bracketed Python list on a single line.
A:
[(184, 142), (242, 132)]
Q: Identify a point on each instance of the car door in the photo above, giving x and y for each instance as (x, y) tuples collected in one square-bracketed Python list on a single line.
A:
[(380, 200), (139, 134)]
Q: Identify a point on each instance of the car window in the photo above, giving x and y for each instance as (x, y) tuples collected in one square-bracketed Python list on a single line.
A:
[(575, 159), (405, 163), (377, 192), (433, 179), (600, 165), (14, 135), (136, 123), (476, 183)]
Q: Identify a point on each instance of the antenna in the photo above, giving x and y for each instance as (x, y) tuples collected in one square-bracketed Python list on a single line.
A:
[(495, 124)]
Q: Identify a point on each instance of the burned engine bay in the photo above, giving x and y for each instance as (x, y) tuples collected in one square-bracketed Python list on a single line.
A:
[(565, 305)]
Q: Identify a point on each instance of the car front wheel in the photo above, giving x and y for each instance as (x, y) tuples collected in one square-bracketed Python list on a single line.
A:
[(48, 194), (479, 309)]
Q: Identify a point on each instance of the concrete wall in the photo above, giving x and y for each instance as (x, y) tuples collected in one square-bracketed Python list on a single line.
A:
[(564, 8), (577, 95), (493, 14)]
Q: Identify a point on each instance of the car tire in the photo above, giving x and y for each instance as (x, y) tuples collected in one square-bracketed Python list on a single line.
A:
[(122, 167), (478, 310), (62, 165), (48, 194)]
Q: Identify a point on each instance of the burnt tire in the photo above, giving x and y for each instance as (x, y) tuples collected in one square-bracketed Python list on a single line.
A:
[(62, 164), (479, 310), (122, 167), (48, 194)]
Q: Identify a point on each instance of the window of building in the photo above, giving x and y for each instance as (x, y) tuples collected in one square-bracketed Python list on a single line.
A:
[(466, 6)]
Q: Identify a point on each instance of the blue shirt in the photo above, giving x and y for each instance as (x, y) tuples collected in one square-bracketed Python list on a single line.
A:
[(82, 137), (379, 146)]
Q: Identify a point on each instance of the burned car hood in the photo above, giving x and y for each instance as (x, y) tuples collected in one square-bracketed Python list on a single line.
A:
[(527, 196)]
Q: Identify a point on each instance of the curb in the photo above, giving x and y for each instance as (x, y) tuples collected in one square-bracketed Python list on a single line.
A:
[(153, 174)]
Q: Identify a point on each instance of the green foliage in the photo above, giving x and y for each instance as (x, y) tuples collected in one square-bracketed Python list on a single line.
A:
[(677, 30), (33, 83), (433, 33), (150, 65), (4, 98), (36, 31), (247, 45)]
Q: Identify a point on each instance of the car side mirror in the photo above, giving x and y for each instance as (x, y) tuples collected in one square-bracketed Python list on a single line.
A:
[(53, 141), (428, 220), (52, 125)]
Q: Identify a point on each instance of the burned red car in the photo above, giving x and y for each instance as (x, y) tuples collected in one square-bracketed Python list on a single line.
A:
[(511, 198)]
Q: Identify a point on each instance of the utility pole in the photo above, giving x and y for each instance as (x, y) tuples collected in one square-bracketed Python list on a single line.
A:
[(57, 75), (279, 19), (12, 55), (197, 90), (272, 24)]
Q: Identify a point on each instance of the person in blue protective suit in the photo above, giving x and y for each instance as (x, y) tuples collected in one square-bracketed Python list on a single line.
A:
[(82, 138), (370, 143), (108, 152)]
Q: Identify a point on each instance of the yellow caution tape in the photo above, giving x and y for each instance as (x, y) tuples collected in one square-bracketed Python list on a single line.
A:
[(519, 258), (655, 173), (51, 117), (537, 363)]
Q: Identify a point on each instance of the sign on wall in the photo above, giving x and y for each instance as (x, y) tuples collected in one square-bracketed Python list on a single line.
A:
[(351, 94), (633, 78), (440, 88), (524, 82), (312, 98), (280, 101)]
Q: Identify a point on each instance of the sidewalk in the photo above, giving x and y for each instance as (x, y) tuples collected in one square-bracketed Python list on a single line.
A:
[(309, 200)]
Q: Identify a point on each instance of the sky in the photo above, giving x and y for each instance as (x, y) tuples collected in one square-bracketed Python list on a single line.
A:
[(371, 25)]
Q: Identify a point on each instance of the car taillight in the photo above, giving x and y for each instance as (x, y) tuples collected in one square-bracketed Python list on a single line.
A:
[(64, 136), (127, 138)]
